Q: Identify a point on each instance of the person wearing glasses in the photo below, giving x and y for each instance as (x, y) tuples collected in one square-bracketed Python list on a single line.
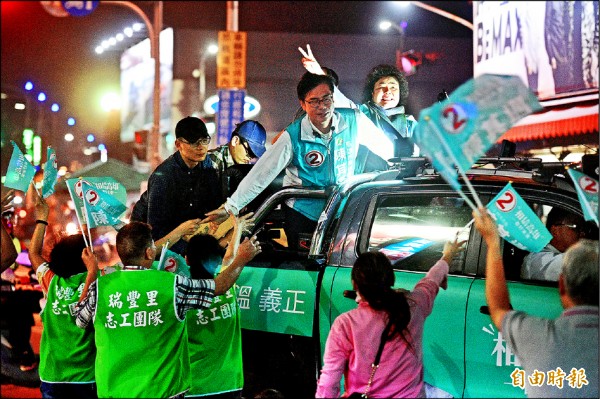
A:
[(566, 229), (183, 187), (234, 159), (316, 151), (384, 95)]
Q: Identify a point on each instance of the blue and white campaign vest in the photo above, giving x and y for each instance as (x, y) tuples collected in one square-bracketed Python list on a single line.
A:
[(321, 164)]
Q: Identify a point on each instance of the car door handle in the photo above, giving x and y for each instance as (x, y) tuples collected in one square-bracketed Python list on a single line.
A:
[(486, 309)]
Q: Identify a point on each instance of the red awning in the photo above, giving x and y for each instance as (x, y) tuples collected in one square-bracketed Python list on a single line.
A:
[(555, 123)]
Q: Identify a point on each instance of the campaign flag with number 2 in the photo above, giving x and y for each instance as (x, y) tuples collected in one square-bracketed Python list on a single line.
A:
[(516, 221), (20, 171), (172, 262), (459, 130), (101, 209), (587, 192)]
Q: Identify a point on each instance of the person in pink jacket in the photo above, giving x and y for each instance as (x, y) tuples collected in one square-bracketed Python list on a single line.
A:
[(355, 335)]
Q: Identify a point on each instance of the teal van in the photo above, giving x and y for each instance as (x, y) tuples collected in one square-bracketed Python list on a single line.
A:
[(289, 299)]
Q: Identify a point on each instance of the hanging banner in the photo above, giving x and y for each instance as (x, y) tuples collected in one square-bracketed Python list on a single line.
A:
[(231, 60)]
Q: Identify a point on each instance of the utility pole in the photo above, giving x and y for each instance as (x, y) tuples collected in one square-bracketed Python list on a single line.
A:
[(153, 155)]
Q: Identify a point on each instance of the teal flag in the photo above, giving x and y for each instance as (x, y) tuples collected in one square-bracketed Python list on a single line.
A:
[(20, 171), (587, 192), (102, 209), (459, 130), (516, 221), (174, 263), (106, 184), (50, 173)]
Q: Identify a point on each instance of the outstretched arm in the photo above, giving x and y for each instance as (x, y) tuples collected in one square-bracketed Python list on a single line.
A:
[(310, 63), (91, 264), (9, 252), (183, 231), (246, 252), (241, 224), (37, 240), (496, 291)]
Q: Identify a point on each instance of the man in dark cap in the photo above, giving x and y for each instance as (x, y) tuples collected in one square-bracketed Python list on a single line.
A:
[(182, 188), (234, 159)]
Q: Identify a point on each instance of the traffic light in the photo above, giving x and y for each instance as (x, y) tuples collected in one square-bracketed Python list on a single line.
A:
[(408, 61), (140, 144)]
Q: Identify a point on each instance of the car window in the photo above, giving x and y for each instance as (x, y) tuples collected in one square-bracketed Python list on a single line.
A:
[(544, 265), (412, 231)]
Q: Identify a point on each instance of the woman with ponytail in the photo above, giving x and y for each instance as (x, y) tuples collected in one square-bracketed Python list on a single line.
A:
[(355, 336)]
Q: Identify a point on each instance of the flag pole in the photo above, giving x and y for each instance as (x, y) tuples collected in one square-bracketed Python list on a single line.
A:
[(86, 215), (77, 215), (87, 223), (454, 160), (162, 255), (35, 188)]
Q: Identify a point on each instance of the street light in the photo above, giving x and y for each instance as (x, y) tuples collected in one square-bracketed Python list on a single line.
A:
[(154, 29), (438, 11), (200, 73), (385, 25)]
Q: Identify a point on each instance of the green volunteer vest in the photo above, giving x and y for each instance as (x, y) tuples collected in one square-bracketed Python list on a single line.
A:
[(142, 345), (67, 352), (215, 344)]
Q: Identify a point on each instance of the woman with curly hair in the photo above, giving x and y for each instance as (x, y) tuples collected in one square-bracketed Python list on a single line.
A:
[(355, 335)]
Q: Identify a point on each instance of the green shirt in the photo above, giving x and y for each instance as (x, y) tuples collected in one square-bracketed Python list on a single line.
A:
[(142, 344), (67, 352), (215, 345)]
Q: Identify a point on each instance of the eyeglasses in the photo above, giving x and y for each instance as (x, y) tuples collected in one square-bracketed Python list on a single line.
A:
[(204, 141), (571, 226), (315, 103), (246, 146)]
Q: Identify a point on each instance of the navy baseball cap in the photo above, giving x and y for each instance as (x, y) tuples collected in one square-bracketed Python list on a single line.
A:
[(255, 134), (191, 129)]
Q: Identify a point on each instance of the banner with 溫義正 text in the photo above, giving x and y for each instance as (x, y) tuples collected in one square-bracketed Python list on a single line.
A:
[(277, 300)]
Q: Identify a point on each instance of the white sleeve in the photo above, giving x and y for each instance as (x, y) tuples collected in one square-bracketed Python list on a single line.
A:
[(372, 137), (266, 169), (341, 101)]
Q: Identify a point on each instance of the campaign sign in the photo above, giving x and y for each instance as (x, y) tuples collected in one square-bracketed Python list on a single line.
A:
[(231, 112), (516, 221), (406, 248), (101, 209), (172, 262), (587, 192), (459, 130), (106, 184), (20, 171)]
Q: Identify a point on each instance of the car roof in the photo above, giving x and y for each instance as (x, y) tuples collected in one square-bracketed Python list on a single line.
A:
[(521, 172)]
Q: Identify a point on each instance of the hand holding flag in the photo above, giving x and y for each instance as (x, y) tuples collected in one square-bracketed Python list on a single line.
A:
[(517, 223)]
